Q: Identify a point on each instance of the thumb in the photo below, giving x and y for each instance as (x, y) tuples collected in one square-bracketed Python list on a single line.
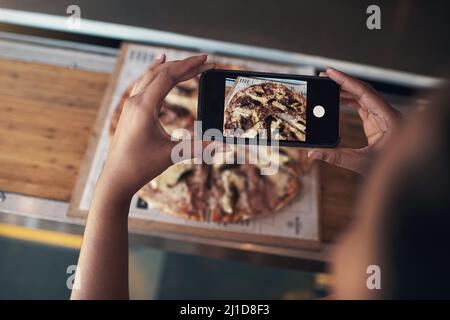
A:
[(352, 159)]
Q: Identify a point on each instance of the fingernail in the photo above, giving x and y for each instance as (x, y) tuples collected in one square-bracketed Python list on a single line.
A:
[(161, 55), (315, 155)]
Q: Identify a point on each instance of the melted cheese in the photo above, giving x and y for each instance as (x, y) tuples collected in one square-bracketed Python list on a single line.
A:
[(239, 112), (261, 99), (268, 156), (169, 177), (230, 178), (278, 105), (292, 121), (280, 182)]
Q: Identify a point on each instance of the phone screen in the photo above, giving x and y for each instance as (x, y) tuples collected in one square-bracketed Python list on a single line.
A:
[(255, 107), (265, 107)]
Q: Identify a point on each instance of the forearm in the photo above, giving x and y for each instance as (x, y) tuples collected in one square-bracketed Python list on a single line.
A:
[(102, 271)]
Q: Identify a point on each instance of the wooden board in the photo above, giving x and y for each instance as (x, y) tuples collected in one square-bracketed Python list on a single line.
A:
[(46, 115)]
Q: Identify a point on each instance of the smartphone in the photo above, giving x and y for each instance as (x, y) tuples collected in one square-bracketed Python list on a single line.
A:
[(256, 107)]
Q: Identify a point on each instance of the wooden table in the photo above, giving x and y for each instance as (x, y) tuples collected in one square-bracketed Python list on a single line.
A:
[(47, 113)]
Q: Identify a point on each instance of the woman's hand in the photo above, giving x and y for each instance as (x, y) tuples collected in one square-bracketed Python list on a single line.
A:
[(141, 148), (379, 121), (139, 151)]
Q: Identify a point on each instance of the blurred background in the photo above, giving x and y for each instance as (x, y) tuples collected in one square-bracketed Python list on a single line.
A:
[(406, 57), (412, 37)]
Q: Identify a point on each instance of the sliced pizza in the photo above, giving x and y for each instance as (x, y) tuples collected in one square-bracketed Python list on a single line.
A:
[(266, 109)]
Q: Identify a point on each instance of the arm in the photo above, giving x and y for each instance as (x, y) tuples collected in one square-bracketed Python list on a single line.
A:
[(379, 120), (139, 151)]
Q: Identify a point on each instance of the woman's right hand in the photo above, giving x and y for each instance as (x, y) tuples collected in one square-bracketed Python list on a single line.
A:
[(379, 120)]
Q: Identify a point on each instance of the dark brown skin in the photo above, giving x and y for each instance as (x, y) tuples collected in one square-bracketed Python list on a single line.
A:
[(379, 120)]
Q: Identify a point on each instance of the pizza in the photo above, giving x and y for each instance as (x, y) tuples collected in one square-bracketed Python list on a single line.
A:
[(224, 191), (268, 109)]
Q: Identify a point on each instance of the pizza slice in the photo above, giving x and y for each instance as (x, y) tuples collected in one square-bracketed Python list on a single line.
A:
[(241, 192), (268, 109), (180, 190)]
